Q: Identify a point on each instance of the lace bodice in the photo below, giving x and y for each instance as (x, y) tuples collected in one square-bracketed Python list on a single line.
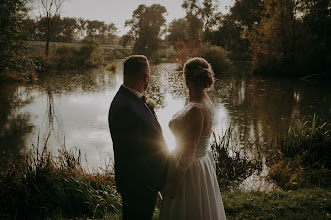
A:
[(178, 124)]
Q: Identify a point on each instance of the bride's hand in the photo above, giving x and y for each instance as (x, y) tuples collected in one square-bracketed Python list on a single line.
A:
[(170, 189)]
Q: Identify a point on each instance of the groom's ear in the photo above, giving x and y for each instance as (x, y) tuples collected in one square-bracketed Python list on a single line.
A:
[(145, 77)]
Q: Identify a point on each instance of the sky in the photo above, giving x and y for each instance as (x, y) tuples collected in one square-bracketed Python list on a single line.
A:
[(117, 11)]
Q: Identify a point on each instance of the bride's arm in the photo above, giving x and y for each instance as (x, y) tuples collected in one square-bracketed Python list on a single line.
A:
[(192, 133)]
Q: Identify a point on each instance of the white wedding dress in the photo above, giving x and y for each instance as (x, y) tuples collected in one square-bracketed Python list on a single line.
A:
[(198, 197)]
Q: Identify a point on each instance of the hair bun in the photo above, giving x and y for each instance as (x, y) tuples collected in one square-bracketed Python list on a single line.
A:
[(199, 72)]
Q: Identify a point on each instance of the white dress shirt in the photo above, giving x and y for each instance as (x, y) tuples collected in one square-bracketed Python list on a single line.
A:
[(138, 94)]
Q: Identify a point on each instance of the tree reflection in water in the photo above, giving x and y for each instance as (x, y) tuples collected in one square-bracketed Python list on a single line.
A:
[(14, 124)]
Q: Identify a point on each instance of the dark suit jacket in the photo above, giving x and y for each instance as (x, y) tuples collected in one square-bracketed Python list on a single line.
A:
[(141, 155)]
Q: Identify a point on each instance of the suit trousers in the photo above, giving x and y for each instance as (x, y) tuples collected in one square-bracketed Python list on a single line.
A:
[(138, 205)]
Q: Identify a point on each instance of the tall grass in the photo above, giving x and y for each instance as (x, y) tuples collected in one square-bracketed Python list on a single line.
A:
[(41, 185), (233, 164), (302, 157)]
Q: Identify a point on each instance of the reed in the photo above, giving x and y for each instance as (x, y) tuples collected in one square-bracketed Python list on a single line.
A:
[(302, 157), (233, 164)]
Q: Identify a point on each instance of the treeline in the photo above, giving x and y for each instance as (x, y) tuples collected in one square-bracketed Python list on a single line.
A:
[(72, 30), (290, 37), (278, 36)]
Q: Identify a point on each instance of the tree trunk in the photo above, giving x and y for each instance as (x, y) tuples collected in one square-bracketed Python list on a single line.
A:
[(47, 48)]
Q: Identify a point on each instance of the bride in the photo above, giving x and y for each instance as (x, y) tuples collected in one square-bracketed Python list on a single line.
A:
[(192, 191)]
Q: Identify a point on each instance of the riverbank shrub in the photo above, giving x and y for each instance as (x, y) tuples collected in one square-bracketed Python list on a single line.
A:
[(86, 55), (303, 156), (215, 55), (65, 57), (89, 53)]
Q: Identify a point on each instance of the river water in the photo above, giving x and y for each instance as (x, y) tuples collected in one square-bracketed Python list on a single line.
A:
[(70, 108)]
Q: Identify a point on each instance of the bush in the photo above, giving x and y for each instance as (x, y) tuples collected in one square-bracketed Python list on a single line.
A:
[(184, 52), (216, 56), (122, 53), (108, 54), (111, 67), (65, 57), (89, 54)]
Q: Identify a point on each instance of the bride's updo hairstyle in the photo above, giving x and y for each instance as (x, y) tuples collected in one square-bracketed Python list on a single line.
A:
[(199, 72)]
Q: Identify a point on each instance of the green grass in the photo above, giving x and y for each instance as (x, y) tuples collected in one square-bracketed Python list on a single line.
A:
[(312, 203)]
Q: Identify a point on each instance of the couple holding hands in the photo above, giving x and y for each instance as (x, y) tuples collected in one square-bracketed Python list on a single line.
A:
[(186, 177)]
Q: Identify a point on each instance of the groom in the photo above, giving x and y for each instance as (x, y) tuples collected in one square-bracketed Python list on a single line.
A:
[(141, 155)]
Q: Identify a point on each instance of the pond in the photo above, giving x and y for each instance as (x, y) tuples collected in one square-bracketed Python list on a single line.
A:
[(70, 108)]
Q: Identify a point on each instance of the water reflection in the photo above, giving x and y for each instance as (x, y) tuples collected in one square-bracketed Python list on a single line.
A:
[(73, 108), (14, 123)]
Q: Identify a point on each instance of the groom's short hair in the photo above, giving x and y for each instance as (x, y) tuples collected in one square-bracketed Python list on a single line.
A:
[(134, 66)]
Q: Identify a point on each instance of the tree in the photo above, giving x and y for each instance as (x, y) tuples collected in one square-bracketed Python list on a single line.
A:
[(126, 40), (94, 28), (178, 31), (82, 27), (108, 34), (193, 17), (317, 23), (69, 29), (30, 25), (271, 39), (146, 25), (246, 12), (230, 34), (202, 18), (285, 41), (101, 31), (209, 15), (13, 37), (50, 17)]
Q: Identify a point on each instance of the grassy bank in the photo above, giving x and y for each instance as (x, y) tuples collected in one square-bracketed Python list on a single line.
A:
[(302, 204), (58, 188), (39, 185)]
